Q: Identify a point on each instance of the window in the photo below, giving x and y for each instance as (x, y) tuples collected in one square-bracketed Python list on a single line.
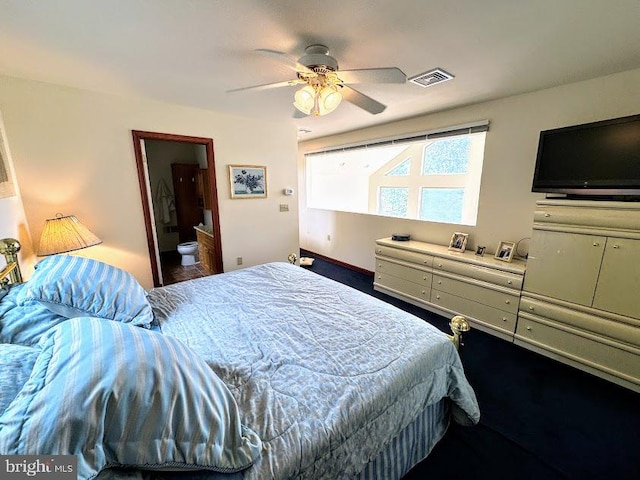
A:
[(432, 177)]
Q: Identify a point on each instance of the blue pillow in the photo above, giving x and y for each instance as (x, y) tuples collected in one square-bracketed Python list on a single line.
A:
[(78, 287), (116, 395), (24, 325)]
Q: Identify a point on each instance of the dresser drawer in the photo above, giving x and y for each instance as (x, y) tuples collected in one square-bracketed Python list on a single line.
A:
[(486, 296), (420, 292), (407, 256), (582, 320), (605, 218), (494, 317), (623, 362), (490, 275), (406, 273)]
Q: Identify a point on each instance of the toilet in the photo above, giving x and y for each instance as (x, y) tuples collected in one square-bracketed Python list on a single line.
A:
[(189, 252)]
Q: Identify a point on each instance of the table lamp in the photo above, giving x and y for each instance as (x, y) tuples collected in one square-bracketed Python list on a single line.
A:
[(65, 233)]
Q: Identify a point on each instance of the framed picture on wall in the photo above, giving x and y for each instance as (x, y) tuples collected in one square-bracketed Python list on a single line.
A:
[(248, 181), (6, 183), (458, 241), (505, 251)]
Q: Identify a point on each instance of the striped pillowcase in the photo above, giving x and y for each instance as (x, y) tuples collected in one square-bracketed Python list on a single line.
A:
[(142, 399), (76, 286)]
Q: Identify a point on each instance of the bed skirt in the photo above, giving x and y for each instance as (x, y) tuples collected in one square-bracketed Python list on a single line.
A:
[(411, 445)]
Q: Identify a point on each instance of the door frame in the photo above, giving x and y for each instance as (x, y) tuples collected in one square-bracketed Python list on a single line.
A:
[(145, 194)]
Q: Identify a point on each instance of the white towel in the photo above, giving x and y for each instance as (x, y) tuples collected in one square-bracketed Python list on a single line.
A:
[(166, 201)]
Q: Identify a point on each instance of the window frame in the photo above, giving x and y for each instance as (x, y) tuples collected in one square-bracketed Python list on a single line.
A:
[(414, 181)]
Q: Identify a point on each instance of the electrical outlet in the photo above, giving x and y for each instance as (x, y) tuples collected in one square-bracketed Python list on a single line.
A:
[(284, 207), (239, 260), (329, 238)]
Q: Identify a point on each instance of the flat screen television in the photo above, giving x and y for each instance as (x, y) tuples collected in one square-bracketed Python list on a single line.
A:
[(594, 159)]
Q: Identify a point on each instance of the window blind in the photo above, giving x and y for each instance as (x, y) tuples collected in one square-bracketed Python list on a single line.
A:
[(465, 129)]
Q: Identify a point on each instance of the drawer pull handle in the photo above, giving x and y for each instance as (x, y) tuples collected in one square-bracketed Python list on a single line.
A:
[(424, 261), (504, 319), (423, 292), (596, 244), (438, 297), (547, 215), (507, 302), (531, 308), (509, 282), (529, 329), (440, 265), (439, 282), (616, 246), (424, 278)]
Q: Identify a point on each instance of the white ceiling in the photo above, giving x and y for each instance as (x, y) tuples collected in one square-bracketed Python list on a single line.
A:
[(191, 52)]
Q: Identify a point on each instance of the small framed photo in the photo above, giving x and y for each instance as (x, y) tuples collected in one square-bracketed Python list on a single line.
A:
[(505, 251), (248, 181), (458, 241), (480, 251)]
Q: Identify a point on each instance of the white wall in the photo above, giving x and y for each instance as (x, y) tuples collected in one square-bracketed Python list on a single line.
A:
[(13, 221), (73, 153), (506, 202)]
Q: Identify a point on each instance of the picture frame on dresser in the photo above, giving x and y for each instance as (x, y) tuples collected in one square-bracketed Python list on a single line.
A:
[(458, 242), (505, 251)]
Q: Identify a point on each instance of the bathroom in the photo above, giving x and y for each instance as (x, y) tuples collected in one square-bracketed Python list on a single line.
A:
[(177, 173)]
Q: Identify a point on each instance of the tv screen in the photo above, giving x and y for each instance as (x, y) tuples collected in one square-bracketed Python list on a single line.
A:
[(600, 158)]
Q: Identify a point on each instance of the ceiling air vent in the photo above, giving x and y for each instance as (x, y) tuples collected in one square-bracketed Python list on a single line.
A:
[(426, 79)]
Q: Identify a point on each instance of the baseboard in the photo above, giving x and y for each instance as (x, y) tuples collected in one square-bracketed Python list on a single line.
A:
[(308, 253)]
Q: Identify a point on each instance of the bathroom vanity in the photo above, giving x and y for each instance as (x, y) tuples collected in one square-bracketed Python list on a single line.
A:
[(206, 248)]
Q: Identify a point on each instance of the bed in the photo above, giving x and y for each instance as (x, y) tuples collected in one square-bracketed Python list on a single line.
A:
[(270, 372)]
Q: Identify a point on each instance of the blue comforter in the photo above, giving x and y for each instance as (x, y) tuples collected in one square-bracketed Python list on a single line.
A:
[(326, 375)]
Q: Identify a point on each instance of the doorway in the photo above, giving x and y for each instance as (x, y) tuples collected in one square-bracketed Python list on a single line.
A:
[(155, 229)]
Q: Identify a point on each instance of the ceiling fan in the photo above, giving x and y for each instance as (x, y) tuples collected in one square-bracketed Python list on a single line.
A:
[(325, 86)]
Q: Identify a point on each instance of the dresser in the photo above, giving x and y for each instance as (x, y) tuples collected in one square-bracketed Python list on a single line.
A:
[(581, 296), (578, 303), (486, 291)]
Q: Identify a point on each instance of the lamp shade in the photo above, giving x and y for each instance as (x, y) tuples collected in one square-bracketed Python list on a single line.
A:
[(304, 99), (328, 99), (65, 234)]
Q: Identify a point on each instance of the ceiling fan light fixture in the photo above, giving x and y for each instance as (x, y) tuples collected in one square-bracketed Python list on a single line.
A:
[(305, 99), (317, 100), (328, 99)]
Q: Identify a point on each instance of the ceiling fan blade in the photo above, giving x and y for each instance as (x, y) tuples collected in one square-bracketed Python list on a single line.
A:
[(288, 60), (361, 100), (373, 75), (266, 86)]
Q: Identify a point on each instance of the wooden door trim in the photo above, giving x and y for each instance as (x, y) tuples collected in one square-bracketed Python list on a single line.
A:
[(146, 207)]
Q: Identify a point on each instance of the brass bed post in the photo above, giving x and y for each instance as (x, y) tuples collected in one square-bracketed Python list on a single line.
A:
[(9, 247), (458, 325)]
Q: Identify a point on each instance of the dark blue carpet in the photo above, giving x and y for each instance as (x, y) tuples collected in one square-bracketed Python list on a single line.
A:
[(540, 419)]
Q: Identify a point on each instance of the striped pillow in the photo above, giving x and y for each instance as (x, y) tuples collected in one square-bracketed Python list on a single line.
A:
[(76, 286), (24, 325), (141, 400)]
